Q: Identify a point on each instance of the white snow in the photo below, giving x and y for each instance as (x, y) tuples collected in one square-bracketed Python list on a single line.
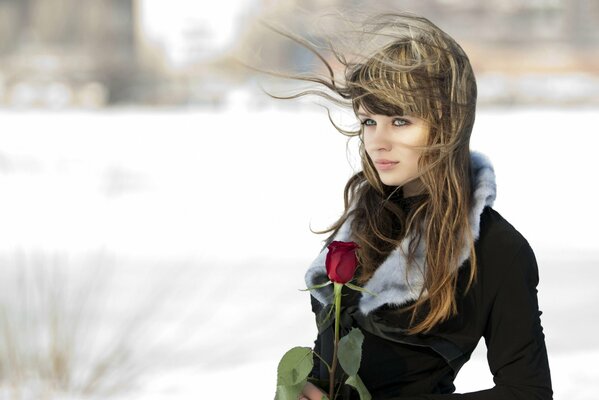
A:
[(219, 203)]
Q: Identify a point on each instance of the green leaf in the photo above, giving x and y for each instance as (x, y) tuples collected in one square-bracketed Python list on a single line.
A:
[(316, 286), (289, 392), (355, 382), (360, 289), (350, 351), (295, 366)]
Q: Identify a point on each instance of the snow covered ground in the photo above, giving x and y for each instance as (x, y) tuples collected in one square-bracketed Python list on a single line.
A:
[(207, 213)]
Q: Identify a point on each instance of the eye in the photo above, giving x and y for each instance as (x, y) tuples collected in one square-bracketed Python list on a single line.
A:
[(368, 122), (400, 122)]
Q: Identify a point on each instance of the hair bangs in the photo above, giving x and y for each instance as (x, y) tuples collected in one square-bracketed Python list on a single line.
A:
[(391, 83)]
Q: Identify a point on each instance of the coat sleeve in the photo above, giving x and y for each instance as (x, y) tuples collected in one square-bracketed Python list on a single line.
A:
[(516, 350), (316, 369)]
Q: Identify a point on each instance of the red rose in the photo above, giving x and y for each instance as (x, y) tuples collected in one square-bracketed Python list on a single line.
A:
[(341, 261)]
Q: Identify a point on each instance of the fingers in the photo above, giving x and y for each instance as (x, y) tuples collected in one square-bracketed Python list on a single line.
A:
[(311, 392)]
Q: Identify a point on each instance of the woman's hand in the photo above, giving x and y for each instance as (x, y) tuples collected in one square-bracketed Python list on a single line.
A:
[(311, 392)]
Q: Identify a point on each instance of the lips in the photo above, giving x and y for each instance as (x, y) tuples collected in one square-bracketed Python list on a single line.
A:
[(385, 164)]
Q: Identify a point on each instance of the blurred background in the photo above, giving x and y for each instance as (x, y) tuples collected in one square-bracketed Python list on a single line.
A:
[(156, 205), (107, 53)]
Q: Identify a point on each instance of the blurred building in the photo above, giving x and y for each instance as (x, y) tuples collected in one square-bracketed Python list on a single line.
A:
[(57, 53), (66, 52), (186, 44)]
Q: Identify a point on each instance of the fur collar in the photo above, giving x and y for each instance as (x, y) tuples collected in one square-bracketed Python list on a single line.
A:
[(388, 281)]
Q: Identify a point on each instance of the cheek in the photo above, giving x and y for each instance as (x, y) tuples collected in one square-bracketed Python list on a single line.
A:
[(367, 148), (411, 155), (414, 163), (365, 141), (411, 159)]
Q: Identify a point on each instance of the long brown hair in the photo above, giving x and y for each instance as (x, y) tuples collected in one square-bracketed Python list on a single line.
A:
[(404, 64)]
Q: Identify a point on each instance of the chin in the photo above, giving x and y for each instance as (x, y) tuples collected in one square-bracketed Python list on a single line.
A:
[(392, 182)]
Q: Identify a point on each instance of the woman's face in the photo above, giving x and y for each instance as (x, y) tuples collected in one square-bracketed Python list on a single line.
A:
[(392, 139)]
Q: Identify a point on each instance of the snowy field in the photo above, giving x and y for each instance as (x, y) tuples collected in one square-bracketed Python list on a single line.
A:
[(199, 222)]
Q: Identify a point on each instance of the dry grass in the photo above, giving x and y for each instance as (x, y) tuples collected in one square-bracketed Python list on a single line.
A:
[(82, 329)]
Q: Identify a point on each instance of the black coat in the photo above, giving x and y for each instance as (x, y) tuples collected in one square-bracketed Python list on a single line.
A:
[(501, 306)]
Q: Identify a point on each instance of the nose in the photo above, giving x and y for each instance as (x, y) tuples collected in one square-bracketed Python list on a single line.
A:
[(377, 139)]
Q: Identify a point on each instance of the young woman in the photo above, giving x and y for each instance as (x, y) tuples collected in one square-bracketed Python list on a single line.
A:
[(447, 268)]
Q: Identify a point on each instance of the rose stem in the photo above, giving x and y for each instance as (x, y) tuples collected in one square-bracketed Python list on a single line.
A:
[(337, 293)]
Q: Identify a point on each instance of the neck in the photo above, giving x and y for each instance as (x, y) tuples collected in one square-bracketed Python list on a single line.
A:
[(413, 188)]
